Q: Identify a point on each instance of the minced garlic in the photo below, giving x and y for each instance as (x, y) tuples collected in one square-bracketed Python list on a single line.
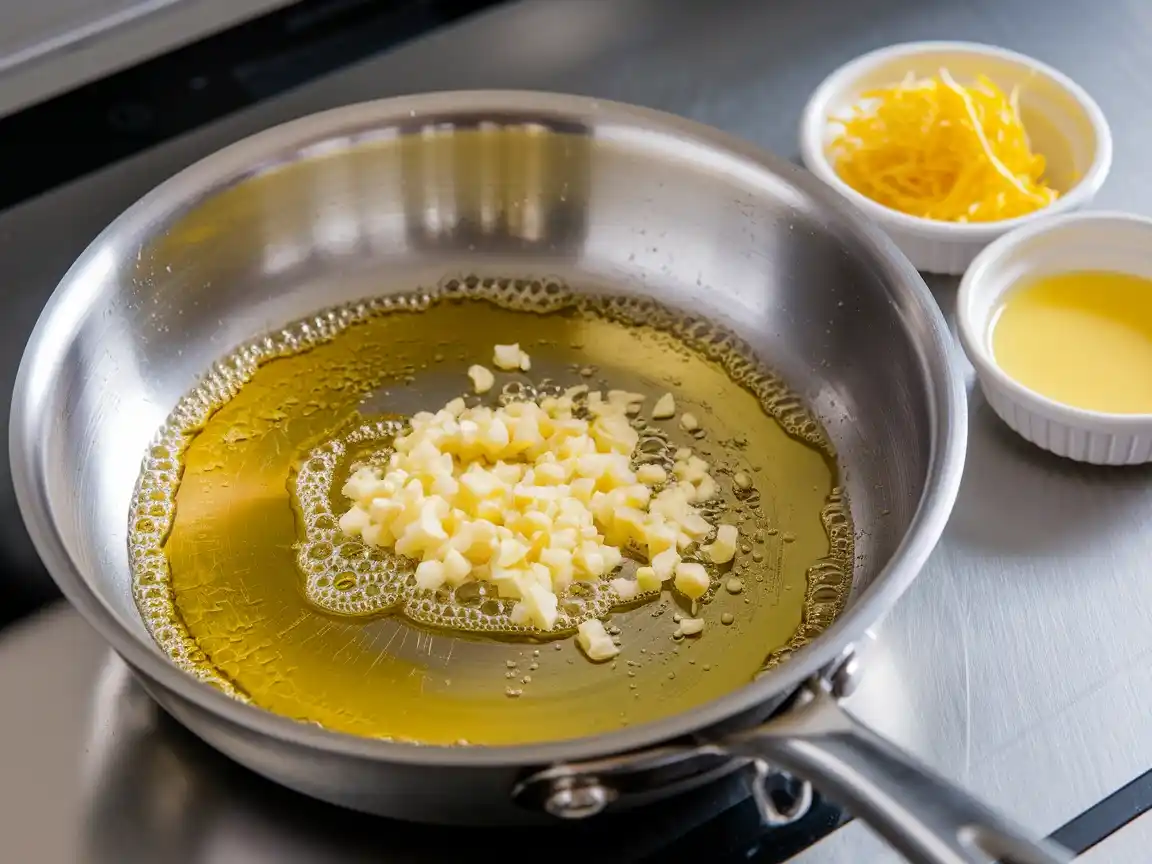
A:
[(595, 641), (510, 358), (723, 548), (529, 497), (664, 408), (482, 378)]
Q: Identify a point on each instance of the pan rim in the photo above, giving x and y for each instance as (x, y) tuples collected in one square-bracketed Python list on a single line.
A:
[(947, 430)]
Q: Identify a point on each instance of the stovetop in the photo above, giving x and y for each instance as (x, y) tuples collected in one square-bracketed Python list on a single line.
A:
[(1017, 664)]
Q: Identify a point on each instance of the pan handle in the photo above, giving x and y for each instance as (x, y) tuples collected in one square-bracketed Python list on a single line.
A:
[(923, 816)]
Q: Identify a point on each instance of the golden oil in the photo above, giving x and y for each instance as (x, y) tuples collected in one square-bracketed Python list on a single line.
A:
[(216, 529)]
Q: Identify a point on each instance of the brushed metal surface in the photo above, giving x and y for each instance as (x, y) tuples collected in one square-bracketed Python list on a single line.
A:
[(49, 47), (35, 32), (1018, 664)]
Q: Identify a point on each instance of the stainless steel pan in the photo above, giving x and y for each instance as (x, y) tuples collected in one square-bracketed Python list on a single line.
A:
[(653, 205)]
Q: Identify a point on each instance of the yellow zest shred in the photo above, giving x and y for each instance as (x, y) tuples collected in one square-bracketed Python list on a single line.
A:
[(940, 150)]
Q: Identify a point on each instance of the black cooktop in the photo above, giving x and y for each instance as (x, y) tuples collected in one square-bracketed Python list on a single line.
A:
[(715, 825), (146, 105)]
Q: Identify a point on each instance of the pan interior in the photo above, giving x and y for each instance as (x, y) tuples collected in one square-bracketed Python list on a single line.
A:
[(215, 525)]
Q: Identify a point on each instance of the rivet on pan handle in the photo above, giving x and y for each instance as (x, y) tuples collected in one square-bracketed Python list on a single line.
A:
[(578, 797), (581, 789), (922, 815), (773, 812)]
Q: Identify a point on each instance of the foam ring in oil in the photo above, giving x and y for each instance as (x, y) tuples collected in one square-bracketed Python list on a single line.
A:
[(347, 578)]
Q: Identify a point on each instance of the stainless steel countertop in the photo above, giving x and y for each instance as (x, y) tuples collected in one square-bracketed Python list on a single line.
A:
[(51, 46), (1131, 844), (1019, 662)]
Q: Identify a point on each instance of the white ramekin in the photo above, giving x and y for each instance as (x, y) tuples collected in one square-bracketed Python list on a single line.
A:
[(1077, 241), (1064, 124)]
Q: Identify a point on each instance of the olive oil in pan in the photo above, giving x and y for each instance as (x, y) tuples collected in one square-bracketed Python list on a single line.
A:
[(215, 527)]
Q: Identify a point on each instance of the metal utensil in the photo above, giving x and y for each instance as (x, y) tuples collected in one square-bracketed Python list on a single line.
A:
[(650, 204)]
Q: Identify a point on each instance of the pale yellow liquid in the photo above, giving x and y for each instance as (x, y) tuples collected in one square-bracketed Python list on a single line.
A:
[(1082, 338)]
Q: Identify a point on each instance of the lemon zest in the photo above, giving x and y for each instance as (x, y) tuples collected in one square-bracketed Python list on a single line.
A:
[(937, 149)]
